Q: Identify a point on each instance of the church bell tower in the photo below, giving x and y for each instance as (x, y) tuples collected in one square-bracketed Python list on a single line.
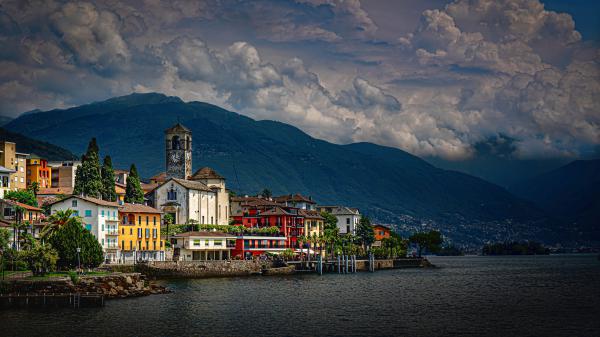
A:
[(178, 140)]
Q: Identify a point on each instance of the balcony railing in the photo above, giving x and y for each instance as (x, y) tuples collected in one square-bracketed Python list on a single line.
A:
[(112, 232)]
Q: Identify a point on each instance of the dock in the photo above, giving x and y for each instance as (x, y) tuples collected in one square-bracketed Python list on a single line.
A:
[(74, 300)]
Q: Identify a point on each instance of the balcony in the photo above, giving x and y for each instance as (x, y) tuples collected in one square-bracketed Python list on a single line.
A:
[(112, 232)]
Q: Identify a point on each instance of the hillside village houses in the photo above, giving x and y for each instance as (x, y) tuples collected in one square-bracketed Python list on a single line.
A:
[(132, 232)]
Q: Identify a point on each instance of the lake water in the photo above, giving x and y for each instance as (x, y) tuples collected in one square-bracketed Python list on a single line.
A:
[(515, 296)]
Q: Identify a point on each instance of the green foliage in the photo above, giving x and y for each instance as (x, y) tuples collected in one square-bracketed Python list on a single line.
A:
[(34, 187), (70, 236), (22, 196), (266, 193), (365, 232), (40, 259), (133, 190), (287, 254), (4, 239), (515, 248), (431, 241), (393, 247), (108, 180), (88, 179)]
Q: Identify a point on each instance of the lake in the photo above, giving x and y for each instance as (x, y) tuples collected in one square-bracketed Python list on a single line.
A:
[(518, 296)]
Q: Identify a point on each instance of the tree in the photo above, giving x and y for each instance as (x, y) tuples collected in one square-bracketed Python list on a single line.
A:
[(23, 196), (88, 178), (34, 187), (57, 221), (133, 189), (365, 232), (108, 180), (71, 236), (331, 232), (41, 259), (266, 193), (431, 241)]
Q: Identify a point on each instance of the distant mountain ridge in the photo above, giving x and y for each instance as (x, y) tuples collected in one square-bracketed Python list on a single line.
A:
[(386, 183), (33, 146), (570, 193)]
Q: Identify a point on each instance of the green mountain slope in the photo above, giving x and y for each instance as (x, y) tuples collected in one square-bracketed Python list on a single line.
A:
[(385, 183), (33, 146)]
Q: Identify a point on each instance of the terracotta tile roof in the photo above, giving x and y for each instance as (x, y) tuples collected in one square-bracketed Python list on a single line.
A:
[(96, 201), (310, 214), (148, 187), (204, 234), (55, 191), (206, 173), (277, 211), (20, 204), (294, 198), (138, 208), (381, 225), (190, 184), (160, 177)]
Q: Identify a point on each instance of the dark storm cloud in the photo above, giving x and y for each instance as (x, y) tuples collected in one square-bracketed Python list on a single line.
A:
[(451, 80)]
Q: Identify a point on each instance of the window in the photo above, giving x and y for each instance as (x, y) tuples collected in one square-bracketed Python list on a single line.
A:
[(103, 227), (130, 245), (147, 232), (347, 221), (122, 244), (139, 232), (147, 220), (88, 227), (88, 213), (139, 220), (124, 219), (154, 233), (206, 243), (154, 220), (130, 231), (347, 229), (102, 242), (76, 213), (196, 242), (74, 203), (102, 213), (218, 242), (203, 219), (172, 194), (211, 220), (153, 245), (114, 215), (123, 232)]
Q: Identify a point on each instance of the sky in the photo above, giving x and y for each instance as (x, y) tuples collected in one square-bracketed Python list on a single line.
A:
[(442, 79)]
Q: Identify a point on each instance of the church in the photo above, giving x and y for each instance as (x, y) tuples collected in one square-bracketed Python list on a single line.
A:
[(201, 196)]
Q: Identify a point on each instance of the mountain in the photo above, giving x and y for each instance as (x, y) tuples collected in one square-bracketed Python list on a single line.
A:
[(571, 193), (387, 184), (33, 146), (4, 120)]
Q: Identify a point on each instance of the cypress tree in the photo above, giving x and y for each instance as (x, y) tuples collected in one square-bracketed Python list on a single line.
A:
[(133, 190), (108, 180), (88, 179)]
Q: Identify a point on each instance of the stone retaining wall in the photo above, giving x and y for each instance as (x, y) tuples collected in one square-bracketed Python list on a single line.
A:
[(200, 269)]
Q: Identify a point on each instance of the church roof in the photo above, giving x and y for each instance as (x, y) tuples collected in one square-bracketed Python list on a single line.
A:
[(206, 173), (190, 184), (178, 128)]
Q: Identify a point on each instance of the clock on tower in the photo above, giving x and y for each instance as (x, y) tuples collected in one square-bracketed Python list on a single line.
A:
[(178, 151)]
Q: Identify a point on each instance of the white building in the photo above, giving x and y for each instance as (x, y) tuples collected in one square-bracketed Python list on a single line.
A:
[(100, 217), (5, 183), (347, 217), (199, 246), (201, 198)]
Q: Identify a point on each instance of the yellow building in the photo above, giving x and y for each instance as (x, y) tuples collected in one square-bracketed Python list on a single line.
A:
[(139, 237), (11, 159), (39, 172), (313, 225)]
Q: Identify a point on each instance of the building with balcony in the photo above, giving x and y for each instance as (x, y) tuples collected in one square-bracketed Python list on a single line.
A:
[(5, 181), (38, 172), (139, 237), (63, 173), (297, 201), (13, 212), (250, 245), (13, 160), (202, 246), (100, 217)]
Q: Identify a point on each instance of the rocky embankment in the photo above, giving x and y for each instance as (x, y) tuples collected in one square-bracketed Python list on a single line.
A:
[(115, 285)]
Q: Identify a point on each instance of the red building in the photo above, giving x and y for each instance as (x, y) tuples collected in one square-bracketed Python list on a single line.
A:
[(256, 212)]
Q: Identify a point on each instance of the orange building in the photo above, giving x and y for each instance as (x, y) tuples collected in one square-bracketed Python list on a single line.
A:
[(38, 171), (381, 232)]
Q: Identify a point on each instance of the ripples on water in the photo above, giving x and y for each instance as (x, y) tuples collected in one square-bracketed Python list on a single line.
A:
[(540, 295)]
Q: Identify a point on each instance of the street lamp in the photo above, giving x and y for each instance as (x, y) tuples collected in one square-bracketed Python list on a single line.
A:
[(78, 260)]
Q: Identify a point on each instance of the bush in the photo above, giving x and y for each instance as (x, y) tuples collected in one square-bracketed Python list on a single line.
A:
[(41, 259), (66, 241)]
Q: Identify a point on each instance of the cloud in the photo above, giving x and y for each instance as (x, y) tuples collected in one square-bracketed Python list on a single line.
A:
[(471, 74)]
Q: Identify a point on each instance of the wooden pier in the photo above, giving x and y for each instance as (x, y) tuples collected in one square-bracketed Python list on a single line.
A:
[(349, 264), (74, 300)]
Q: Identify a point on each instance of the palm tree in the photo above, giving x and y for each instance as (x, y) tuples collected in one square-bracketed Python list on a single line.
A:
[(57, 221)]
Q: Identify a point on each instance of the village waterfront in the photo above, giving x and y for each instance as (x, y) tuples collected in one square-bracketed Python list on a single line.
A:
[(555, 295)]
